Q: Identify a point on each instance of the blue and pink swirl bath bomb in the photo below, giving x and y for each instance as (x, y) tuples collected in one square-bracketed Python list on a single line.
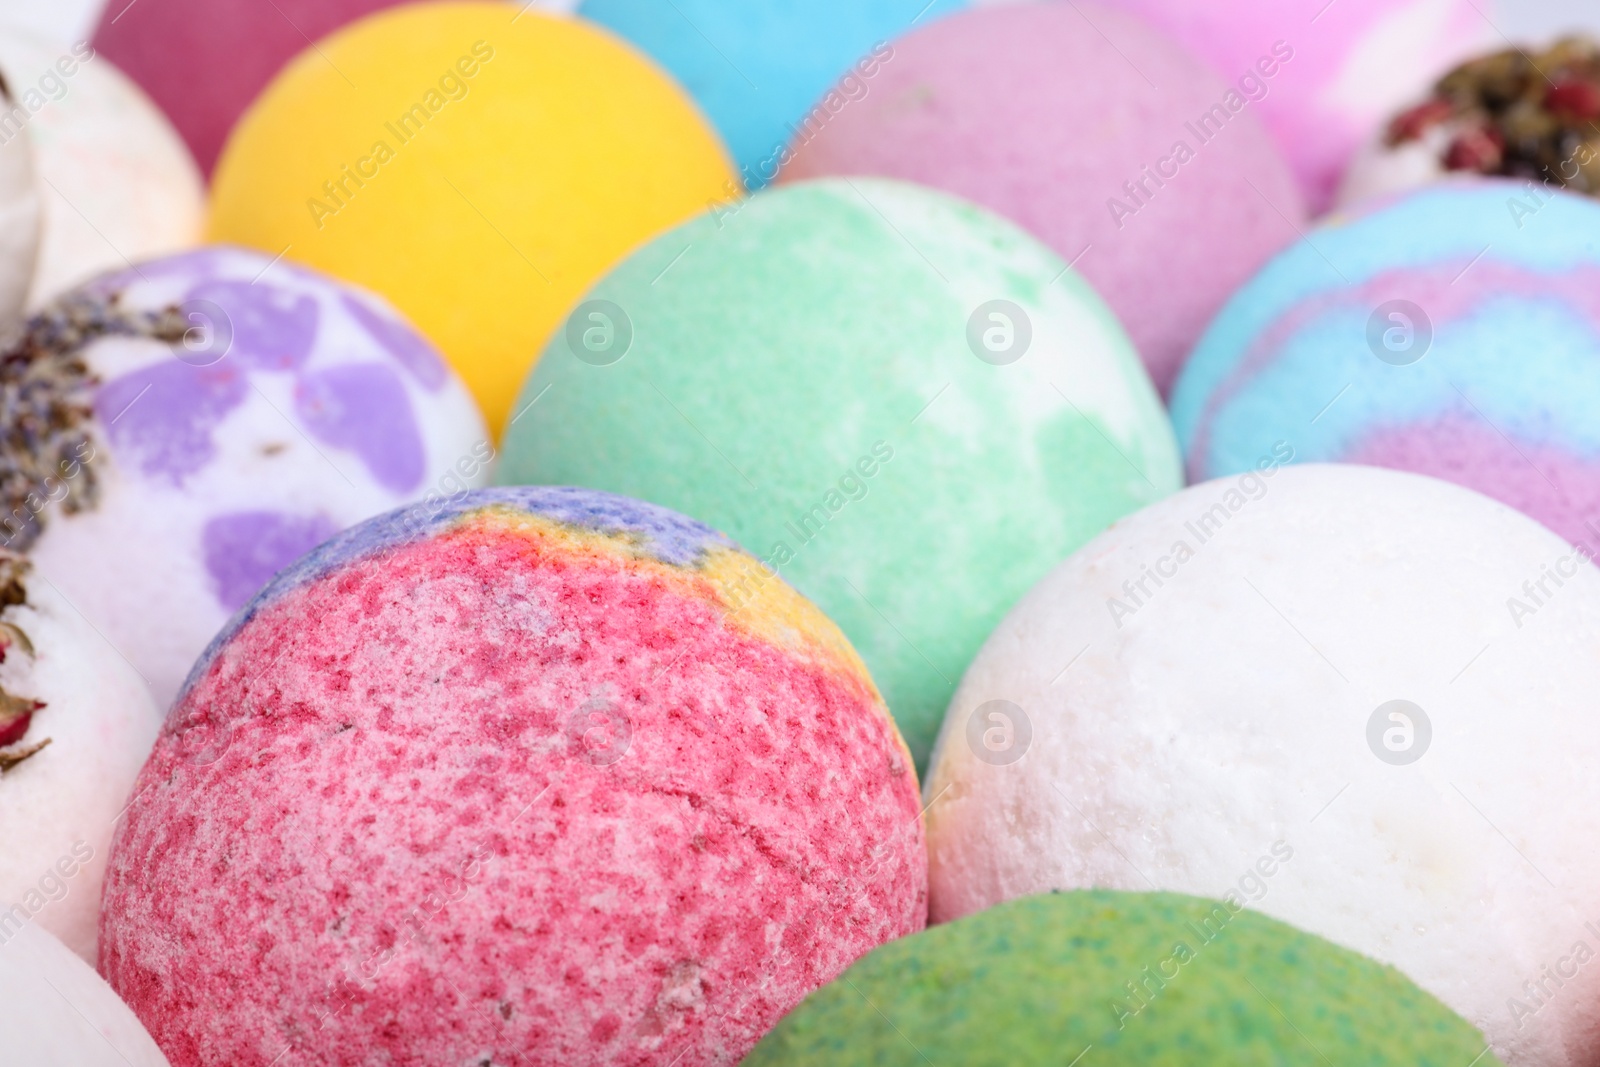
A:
[(1454, 333)]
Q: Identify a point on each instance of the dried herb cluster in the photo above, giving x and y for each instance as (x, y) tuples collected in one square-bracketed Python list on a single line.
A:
[(46, 406), (1518, 114)]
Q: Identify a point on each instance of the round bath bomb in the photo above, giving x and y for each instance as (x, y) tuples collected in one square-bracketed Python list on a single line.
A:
[(491, 164), (1323, 76), (116, 181), (763, 71), (20, 213), (545, 776), (1385, 338), (1513, 113), (1141, 979), (905, 405), (231, 47), (1341, 695), (75, 726), (58, 1013), (1161, 195), (184, 428)]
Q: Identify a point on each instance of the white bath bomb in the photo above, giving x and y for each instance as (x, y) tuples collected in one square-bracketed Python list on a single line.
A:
[(76, 724), (200, 421), (116, 182), (1360, 701), (56, 1012), (1521, 111), (1380, 170), (20, 214)]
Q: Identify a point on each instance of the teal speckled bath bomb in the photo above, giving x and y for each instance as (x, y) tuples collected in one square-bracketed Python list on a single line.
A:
[(904, 405), (1105, 979)]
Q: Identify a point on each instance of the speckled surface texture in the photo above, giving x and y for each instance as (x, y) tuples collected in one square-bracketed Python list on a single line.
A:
[(544, 778), (1124, 979)]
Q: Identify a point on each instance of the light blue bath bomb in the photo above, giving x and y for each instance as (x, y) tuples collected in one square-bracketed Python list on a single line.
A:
[(759, 69)]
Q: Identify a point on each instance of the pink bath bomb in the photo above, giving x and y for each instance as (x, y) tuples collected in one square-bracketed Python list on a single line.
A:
[(1352, 64), (204, 61), (1102, 137), (533, 776)]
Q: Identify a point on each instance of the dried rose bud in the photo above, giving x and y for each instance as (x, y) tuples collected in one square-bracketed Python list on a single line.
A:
[(14, 729), (1481, 150), (16, 716), (1411, 125), (1574, 99)]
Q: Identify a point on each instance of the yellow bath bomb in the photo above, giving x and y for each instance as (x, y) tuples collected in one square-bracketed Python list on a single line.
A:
[(478, 165)]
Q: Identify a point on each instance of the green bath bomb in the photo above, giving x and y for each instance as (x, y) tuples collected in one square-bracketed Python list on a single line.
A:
[(904, 405), (1136, 979)]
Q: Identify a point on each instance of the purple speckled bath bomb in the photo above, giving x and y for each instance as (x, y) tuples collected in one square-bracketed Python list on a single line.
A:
[(1090, 129)]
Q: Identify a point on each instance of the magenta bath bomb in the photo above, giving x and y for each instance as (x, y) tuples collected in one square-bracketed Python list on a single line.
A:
[(204, 61), (542, 776), (1344, 66), (203, 420), (1104, 138)]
